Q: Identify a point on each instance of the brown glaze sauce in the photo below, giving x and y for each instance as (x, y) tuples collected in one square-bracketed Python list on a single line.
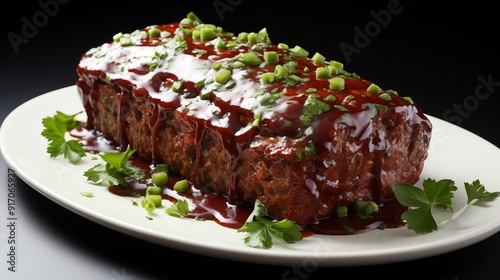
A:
[(142, 82)]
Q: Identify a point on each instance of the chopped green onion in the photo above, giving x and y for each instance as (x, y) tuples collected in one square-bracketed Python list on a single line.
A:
[(271, 57), (313, 107), (186, 21), (330, 97), (337, 83), (385, 96), (341, 211), (220, 43), (333, 70), (353, 158), (338, 65), (154, 32), (263, 33), (159, 178), (249, 58), (162, 167), (293, 80), (242, 37), (165, 34), (193, 17), (153, 190), (361, 207), (373, 88), (322, 72), (408, 99), (217, 65), (181, 185), (252, 37), (177, 86), (280, 72), (155, 198), (298, 51), (310, 149), (205, 95), (196, 34), (341, 108), (267, 98), (87, 194), (148, 205), (207, 33), (391, 91), (318, 58), (380, 107), (117, 37), (231, 44), (373, 206), (256, 119), (267, 78), (125, 41), (200, 83), (222, 76), (283, 46), (365, 207)]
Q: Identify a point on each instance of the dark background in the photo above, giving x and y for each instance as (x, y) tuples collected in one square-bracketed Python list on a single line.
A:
[(440, 55), (433, 53)]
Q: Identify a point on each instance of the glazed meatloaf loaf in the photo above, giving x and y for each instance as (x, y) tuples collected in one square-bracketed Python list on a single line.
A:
[(242, 117)]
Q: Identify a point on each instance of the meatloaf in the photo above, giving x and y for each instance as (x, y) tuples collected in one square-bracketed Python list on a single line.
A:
[(242, 117)]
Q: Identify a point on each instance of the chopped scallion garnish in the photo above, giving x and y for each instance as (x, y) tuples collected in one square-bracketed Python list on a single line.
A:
[(337, 83), (222, 76), (267, 78), (271, 57), (181, 185), (249, 59), (373, 88), (159, 178), (318, 58)]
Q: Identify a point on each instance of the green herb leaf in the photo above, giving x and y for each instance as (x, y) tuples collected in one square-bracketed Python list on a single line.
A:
[(434, 193), (476, 191), (261, 229), (439, 192), (87, 194), (55, 129), (178, 209), (266, 98), (259, 236), (420, 219), (313, 107), (114, 171), (409, 195)]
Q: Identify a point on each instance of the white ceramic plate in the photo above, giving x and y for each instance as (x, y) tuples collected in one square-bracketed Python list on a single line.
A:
[(454, 154)]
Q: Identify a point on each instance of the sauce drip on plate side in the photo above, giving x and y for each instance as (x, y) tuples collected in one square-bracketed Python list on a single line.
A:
[(208, 206)]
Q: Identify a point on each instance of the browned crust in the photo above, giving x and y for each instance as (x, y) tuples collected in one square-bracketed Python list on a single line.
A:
[(302, 190)]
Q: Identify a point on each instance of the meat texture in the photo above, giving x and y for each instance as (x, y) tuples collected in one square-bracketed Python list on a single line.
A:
[(301, 142)]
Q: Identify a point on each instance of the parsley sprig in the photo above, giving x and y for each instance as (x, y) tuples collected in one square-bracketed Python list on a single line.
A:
[(116, 168), (434, 194), (178, 209), (261, 229), (55, 129), (476, 191)]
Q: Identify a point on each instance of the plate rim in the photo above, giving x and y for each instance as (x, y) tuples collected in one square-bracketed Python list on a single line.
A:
[(253, 255)]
